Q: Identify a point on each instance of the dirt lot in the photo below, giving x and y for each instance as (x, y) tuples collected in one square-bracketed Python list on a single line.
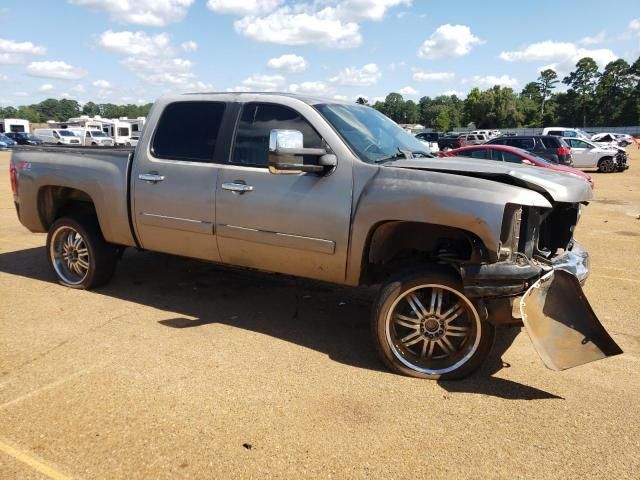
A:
[(183, 369)]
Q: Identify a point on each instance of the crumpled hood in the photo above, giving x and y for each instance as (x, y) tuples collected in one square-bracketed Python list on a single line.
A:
[(560, 187)]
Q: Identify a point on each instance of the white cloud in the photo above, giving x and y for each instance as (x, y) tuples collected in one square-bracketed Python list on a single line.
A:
[(358, 77), (421, 76), (189, 46), (78, 89), (489, 81), (136, 43), (310, 88), (13, 53), (408, 91), (301, 25), (634, 25), (244, 7), (367, 9), (598, 38), (46, 87), (266, 83), (101, 84), (457, 93), (449, 41), (55, 69), (342, 98), (152, 13), (3, 77), (564, 55), (174, 72), (289, 63)]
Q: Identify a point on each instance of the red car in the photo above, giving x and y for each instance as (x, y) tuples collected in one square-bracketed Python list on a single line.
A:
[(502, 153)]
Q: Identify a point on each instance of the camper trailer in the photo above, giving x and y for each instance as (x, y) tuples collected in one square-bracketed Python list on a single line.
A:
[(14, 125)]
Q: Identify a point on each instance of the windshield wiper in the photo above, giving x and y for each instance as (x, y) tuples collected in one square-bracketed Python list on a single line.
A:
[(406, 154)]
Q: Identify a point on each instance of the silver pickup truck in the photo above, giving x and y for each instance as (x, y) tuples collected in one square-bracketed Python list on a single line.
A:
[(334, 192)]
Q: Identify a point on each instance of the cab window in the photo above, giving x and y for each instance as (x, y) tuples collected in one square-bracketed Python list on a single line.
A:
[(256, 122)]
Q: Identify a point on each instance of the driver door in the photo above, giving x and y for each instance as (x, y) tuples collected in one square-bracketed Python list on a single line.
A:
[(296, 223)]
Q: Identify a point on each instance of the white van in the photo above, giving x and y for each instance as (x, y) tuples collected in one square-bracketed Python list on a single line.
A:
[(91, 137), (58, 136)]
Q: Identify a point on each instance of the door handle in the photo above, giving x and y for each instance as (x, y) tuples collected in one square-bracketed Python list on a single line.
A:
[(237, 187), (151, 177)]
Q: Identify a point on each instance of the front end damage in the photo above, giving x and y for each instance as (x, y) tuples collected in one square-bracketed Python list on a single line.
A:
[(538, 282)]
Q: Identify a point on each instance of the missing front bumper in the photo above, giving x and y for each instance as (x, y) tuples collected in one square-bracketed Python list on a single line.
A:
[(561, 323)]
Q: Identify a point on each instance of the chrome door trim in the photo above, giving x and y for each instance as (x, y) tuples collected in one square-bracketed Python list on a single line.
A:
[(151, 177), (284, 240), (237, 187), (176, 223)]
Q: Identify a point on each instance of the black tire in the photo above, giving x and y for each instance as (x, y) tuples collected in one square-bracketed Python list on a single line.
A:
[(396, 354), (606, 165), (101, 257)]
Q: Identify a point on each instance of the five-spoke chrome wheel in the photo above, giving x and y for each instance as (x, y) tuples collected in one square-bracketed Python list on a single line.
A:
[(433, 329), (69, 255)]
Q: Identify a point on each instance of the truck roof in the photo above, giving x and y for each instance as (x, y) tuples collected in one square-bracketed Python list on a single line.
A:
[(252, 96)]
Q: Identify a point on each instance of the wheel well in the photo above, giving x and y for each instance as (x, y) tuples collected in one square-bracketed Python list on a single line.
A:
[(400, 245), (55, 202), (607, 157)]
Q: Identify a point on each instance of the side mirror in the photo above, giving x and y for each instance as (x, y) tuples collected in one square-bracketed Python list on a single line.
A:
[(285, 152)]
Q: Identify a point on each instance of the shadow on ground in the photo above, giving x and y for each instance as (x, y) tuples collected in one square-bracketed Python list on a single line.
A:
[(330, 319)]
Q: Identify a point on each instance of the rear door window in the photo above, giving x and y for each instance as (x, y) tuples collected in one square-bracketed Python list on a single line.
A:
[(188, 131)]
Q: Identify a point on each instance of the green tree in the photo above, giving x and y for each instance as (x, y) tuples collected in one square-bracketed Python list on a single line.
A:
[(362, 101), (442, 123), (90, 109), (410, 112), (546, 83), (583, 80), (613, 90), (394, 107)]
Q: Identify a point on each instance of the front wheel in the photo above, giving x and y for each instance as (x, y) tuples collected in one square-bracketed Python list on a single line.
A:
[(78, 253), (606, 165), (424, 326)]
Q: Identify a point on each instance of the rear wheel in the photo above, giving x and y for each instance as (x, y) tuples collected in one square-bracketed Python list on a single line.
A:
[(425, 326), (606, 165), (78, 253)]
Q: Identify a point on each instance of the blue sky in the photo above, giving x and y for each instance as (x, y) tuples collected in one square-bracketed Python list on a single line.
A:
[(131, 51)]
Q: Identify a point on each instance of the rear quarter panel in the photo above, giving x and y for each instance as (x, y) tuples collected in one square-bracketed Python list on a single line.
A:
[(101, 174)]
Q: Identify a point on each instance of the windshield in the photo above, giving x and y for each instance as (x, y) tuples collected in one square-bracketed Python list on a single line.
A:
[(583, 134), (98, 133), (66, 133), (374, 137)]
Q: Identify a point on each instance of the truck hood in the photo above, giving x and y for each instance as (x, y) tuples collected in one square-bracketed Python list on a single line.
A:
[(556, 186)]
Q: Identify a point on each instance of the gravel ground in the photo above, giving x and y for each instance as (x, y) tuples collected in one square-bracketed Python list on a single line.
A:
[(184, 369)]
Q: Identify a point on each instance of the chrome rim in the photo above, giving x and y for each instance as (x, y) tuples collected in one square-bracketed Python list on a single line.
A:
[(69, 255), (433, 329)]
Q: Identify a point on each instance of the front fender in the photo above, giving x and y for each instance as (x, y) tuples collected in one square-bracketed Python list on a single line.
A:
[(395, 194)]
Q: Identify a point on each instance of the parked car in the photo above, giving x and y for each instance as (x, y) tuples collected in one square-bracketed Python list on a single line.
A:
[(566, 132), (503, 153), (606, 138), (487, 133), (551, 148), (587, 154), (23, 138), (472, 139), (3, 146), (449, 142), (57, 136), (331, 191), (133, 141), (8, 141), (93, 137), (430, 139), (623, 139)]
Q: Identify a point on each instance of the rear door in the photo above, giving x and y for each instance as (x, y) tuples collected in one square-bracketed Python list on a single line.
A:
[(289, 223), (174, 180)]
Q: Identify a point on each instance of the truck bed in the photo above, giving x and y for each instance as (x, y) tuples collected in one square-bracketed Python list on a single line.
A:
[(100, 174)]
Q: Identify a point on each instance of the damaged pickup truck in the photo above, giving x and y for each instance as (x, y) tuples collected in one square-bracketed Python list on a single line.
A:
[(334, 192)]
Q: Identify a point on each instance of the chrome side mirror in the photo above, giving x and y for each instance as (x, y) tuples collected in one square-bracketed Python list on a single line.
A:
[(286, 149)]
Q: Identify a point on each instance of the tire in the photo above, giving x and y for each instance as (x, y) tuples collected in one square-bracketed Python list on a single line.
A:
[(78, 253), (606, 165), (412, 340)]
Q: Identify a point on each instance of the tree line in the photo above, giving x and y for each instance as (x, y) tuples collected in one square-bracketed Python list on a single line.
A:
[(62, 110), (610, 97)]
